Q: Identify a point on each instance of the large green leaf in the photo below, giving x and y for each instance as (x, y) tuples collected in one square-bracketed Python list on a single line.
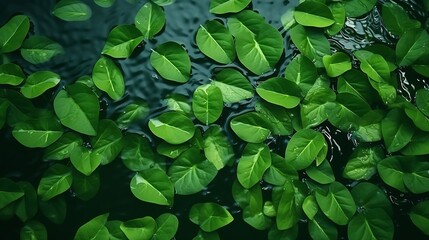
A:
[(280, 91), (191, 172), (11, 74), (287, 214), (172, 127), (72, 10), (39, 82), (121, 41), (370, 197), (137, 110), (279, 171), (61, 148), (216, 42), (150, 20), (40, 49), (94, 229), (312, 43), (337, 64), (54, 209), (139, 228), (227, 6), (108, 78), (417, 145), (250, 127), (357, 8), (397, 130), (13, 33), (33, 230), (26, 207), (217, 147), (178, 102), (55, 180), (233, 85), (115, 231), (304, 147), (207, 103), (373, 224), (210, 216), (78, 108), (171, 61), (422, 101), (322, 228), (322, 174), (337, 203), (277, 117), (9, 192), (302, 71), (254, 161), (396, 19), (411, 46), (154, 186), (137, 153), (362, 164), (348, 111), (356, 83), (374, 65), (85, 187), (105, 3), (85, 160), (314, 109), (108, 142), (420, 216), (167, 226), (313, 14), (339, 13)]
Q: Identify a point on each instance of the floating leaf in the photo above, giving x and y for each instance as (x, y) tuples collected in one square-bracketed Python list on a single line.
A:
[(356, 83), (121, 41), (411, 46), (420, 216), (163, 2), (374, 65), (40, 49), (132, 112), (108, 142), (154, 186), (108, 78), (322, 228), (310, 207), (13, 33), (173, 127), (277, 117), (417, 145), (217, 147), (279, 91), (72, 10), (233, 85), (137, 154), (313, 14), (397, 130), (250, 127), (139, 228), (9, 192), (179, 103), (86, 187), (254, 161), (279, 171), (171, 61), (210, 216), (167, 225), (362, 164), (54, 209), (94, 229), (337, 64), (303, 72), (227, 6), (422, 100), (55, 180), (287, 214), (207, 103), (105, 3), (61, 148), (150, 20), (370, 197), (322, 174), (33, 230), (11, 74), (339, 13), (216, 42), (39, 82), (373, 223), (85, 160), (357, 8), (396, 19), (26, 207)]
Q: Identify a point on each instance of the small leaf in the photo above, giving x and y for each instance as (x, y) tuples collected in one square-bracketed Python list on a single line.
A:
[(255, 160), (357, 8), (33, 230), (217, 147), (163, 2), (85, 160), (107, 144), (375, 224), (287, 214), (337, 64), (322, 174), (9, 192), (94, 229), (132, 112), (302, 71), (422, 101), (227, 6), (54, 209), (233, 85), (172, 127), (40, 49), (277, 117), (105, 3), (72, 10), (207, 103), (55, 180), (397, 130), (411, 46), (62, 148), (313, 14), (369, 197), (108, 78), (154, 186), (420, 216), (121, 41), (167, 225), (374, 65), (210, 216), (362, 164), (26, 207), (396, 19), (86, 187), (150, 20), (11, 74), (137, 153), (171, 61), (13, 33), (339, 13), (139, 228), (39, 82), (250, 127), (322, 228), (279, 91), (310, 207)]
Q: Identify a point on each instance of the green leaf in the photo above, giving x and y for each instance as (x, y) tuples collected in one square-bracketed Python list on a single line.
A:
[(337, 64), (346, 114), (40, 49), (121, 41), (279, 171), (210, 216), (105, 3), (85, 160), (132, 112), (54, 209), (191, 172), (179, 103), (310, 207), (9, 192), (206, 236), (62, 148), (322, 174), (337, 203), (108, 142), (150, 20), (302, 71), (38, 133), (362, 164), (215, 41), (114, 228), (417, 145), (287, 214), (55, 180), (357, 8), (4, 107), (420, 216), (422, 101), (167, 225), (33, 230), (254, 161), (207, 103), (396, 19), (289, 234), (370, 197), (13, 33), (287, 19), (172, 127), (72, 10), (277, 117), (397, 130), (250, 127), (137, 154), (85, 187), (11, 74), (411, 46), (279, 91), (313, 14), (374, 65), (356, 83), (26, 207), (77, 107), (139, 228), (322, 228), (314, 109), (312, 43), (303, 148), (153, 186), (108, 78), (233, 85), (94, 229), (370, 129), (171, 61), (39, 82), (217, 148), (246, 21), (163, 2), (339, 13), (227, 6), (373, 224)]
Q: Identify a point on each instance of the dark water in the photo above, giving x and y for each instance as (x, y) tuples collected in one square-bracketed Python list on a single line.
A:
[(83, 42)]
